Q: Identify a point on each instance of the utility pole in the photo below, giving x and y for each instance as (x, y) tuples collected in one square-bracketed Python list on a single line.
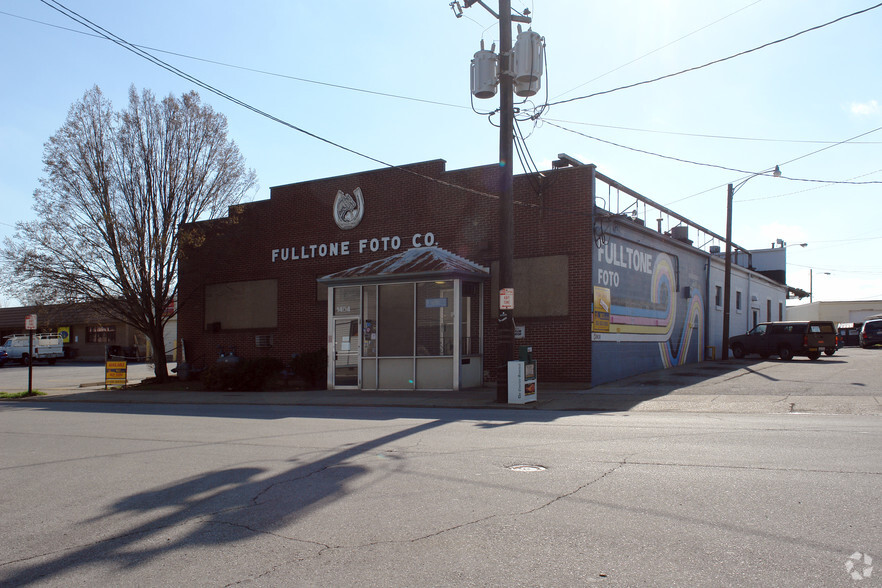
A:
[(505, 320), (488, 71), (727, 279)]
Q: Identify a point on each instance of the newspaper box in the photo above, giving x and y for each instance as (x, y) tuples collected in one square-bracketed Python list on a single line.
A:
[(521, 382)]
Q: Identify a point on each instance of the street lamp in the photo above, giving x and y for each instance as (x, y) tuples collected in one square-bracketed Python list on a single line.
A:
[(727, 279), (811, 285)]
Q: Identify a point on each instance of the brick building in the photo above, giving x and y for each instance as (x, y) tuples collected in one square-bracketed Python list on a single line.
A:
[(393, 271), (88, 334)]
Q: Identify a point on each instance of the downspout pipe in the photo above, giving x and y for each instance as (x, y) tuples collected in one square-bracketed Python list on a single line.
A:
[(707, 315)]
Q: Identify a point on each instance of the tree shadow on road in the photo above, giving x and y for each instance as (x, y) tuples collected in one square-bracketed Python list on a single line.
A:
[(219, 507)]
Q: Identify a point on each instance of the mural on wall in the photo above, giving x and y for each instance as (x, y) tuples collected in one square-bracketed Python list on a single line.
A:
[(650, 304)]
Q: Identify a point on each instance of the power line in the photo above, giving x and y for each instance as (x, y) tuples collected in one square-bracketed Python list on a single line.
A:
[(636, 59), (435, 102), (732, 169), (740, 200), (172, 69), (707, 136), (176, 71), (244, 68), (155, 60), (831, 146), (870, 271), (716, 61)]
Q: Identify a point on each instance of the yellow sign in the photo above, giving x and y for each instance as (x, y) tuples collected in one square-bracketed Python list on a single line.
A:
[(602, 306), (115, 373), (64, 333)]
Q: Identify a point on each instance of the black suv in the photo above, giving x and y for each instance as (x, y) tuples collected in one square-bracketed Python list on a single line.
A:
[(786, 339), (871, 333)]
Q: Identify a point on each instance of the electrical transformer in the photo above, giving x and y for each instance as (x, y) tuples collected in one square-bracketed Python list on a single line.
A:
[(484, 73), (527, 63)]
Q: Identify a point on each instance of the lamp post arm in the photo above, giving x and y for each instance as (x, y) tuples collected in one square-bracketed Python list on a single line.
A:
[(727, 279), (775, 171)]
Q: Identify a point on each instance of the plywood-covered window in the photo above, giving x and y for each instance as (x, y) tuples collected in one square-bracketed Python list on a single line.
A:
[(242, 305), (541, 286)]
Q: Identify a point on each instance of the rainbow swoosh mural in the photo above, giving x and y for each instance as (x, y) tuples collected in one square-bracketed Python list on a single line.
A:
[(657, 320), (693, 322), (658, 317)]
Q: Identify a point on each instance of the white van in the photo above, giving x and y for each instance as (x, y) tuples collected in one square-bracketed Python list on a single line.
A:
[(47, 346)]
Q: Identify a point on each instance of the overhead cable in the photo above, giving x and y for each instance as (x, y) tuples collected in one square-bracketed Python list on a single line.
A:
[(55, 5), (716, 61), (732, 169), (244, 68)]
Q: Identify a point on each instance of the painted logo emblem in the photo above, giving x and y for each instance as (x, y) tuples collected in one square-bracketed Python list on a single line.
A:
[(348, 209)]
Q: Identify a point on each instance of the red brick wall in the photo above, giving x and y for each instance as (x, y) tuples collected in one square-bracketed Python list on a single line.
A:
[(397, 203)]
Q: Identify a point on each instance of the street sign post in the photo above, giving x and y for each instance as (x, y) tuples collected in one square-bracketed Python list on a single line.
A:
[(30, 327)]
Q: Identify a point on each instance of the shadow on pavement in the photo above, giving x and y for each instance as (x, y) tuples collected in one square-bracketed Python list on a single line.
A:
[(220, 507), (621, 395)]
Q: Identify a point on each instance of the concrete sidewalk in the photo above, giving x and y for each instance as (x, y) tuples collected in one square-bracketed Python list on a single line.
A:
[(719, 387)]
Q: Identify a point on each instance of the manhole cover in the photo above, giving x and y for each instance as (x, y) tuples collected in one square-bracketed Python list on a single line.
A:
[(527, 468)]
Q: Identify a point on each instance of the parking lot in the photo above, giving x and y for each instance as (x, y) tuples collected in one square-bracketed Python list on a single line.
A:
[(64, 375)]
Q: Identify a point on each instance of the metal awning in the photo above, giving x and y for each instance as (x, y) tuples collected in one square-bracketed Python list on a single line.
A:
[(420, 263)]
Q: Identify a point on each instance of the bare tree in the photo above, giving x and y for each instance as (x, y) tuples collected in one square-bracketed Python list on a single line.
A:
[(117, 188)]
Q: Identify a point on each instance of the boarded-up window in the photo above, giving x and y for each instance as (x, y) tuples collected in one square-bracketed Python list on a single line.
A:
[(541, 286), (242, 305)]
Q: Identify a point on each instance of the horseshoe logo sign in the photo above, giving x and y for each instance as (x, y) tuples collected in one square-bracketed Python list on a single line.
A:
[(348, 209)]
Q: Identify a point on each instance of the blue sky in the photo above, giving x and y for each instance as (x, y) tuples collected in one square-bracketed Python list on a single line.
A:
[(773, 106)]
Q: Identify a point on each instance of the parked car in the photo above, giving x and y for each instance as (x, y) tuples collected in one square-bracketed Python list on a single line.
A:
[(871, 333), (41, 346), (4, 357), (787, 339)]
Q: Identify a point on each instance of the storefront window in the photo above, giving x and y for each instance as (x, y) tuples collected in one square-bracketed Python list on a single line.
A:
[(470, 334), (347, 301), (101, 334), (395, 320), (434, 310), (369, 327)]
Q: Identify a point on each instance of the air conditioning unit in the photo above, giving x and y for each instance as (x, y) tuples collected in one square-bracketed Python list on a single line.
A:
[(263, 341), (681, 233)]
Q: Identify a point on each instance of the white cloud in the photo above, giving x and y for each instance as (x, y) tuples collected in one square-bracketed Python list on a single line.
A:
[(865, 108)]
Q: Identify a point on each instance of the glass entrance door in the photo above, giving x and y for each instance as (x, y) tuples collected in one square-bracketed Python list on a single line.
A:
[(346, 352)]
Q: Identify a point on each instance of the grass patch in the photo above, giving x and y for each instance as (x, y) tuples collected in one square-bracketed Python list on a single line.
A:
[(24, 394)]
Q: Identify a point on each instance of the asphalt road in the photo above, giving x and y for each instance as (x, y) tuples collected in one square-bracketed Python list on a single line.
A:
[(213, 495)]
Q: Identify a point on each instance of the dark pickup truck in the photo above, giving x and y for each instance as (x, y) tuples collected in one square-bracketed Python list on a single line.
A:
[(786, 339)]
